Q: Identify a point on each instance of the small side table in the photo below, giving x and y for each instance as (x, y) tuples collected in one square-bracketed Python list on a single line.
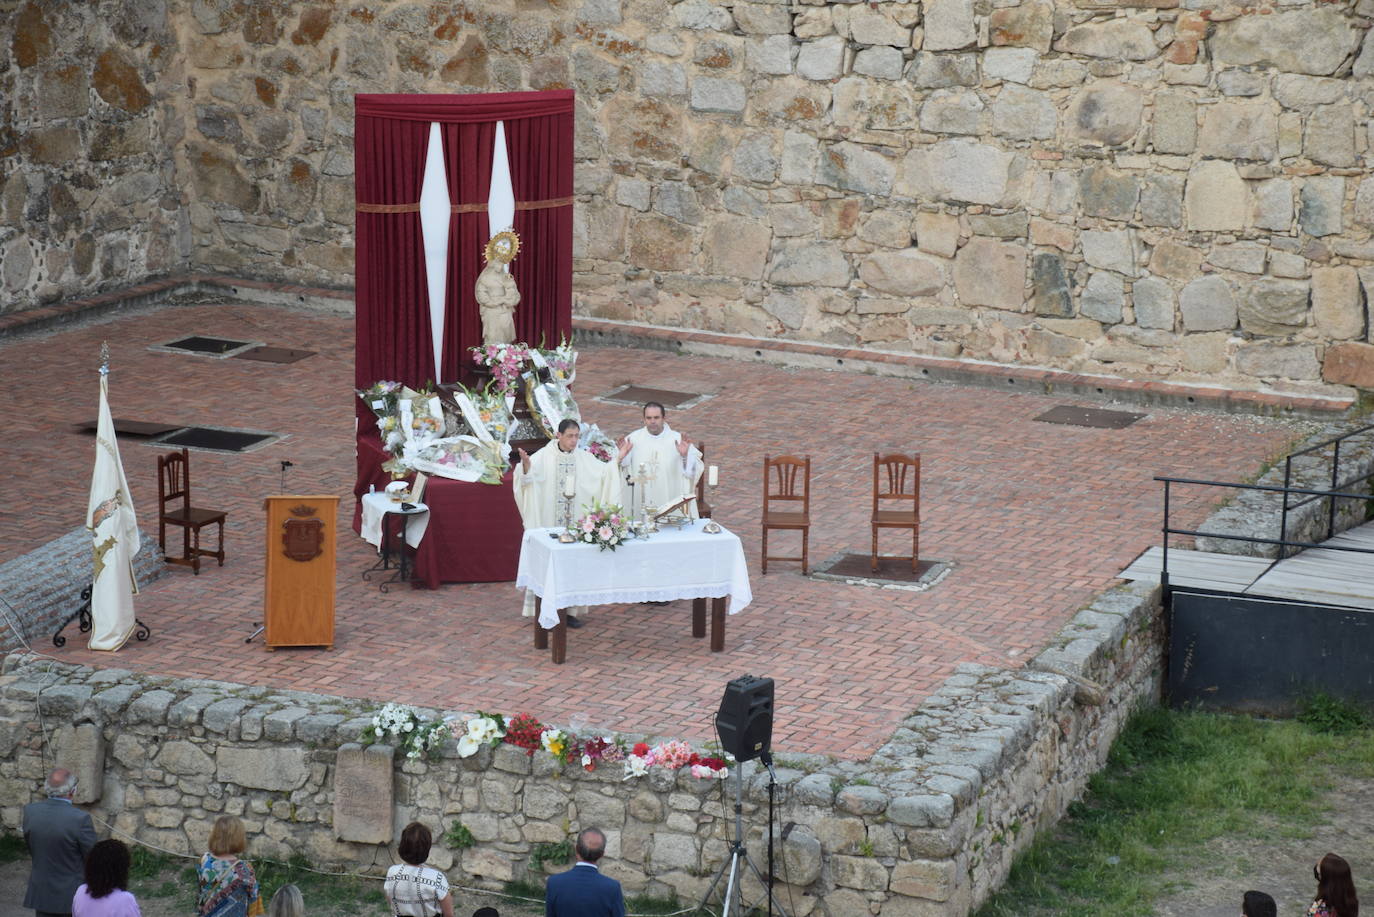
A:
[(379, 502)]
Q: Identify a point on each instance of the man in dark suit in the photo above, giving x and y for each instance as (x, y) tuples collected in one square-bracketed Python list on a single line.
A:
[(59, 836), (583, 891)]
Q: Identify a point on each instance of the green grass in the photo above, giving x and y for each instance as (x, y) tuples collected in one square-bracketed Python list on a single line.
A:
[(1173, 781), (649, 904), (324, 892)]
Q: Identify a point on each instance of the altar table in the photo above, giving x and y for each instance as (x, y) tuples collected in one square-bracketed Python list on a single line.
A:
[(684, 563)]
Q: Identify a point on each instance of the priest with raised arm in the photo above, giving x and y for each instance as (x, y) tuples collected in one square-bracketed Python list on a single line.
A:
[(670, 461), (542, 479)]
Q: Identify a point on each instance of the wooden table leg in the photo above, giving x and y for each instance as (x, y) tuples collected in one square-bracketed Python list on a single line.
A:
[(698, 617), (718, 624), (541, 636), (560, 638)]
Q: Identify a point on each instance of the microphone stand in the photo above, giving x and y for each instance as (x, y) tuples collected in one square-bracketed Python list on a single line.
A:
[(767, 759)]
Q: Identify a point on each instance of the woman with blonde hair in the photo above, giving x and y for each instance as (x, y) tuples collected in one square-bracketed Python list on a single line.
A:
[(228, 887)]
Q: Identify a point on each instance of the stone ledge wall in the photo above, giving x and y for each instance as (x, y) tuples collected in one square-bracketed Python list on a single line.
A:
[(44, 586), (927, 826)]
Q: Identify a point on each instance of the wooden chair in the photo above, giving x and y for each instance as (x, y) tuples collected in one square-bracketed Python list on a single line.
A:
[(703, 507), (174, 487), (897, 480), (787, 479)]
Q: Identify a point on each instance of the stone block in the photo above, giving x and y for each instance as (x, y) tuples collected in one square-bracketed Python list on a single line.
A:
[(1292, 90), (1320, 201), (1246, 257), (1111, 249), (1045, 232), (809, 263), (150, 707), (952, 111), (1265, 360), (1153, 299), (1174, 127), (1239, 130), (1000, 225), (1330, 135), (1338, 308), (821, 59), (1113, 39), (1103, 298), (961, 170), (1013, 65), (1216, 197), (1349, 363), (272, 768), (1287, 264), (931, 811), (889, 228), (717, 94), (182, 757), (1241, 83), (1284, 41), (762, 18), (485, 863), (736, 247), (702, 16), (81, 750), (813, 22), (1024, 114), (1275, 307), (1106, 112), (930, 879), (903, 273), (877, 26), (1027, 25), (801, 857), (1108, 193), (771, 54), (1274, 204), (880, 62), (949, 25), (674, 851), (863, 873), (1161, 200), (659, 243), (937, 233), (852, 167), (990, 273), (840, 834), (1207, 304), (1205, 353), (941, 71), (1051, 289)]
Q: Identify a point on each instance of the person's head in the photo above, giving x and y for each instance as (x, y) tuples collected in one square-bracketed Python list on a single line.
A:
[(569, 431), (287, 902), (61, 784), (107, 868), (486, 912), (227, 837), (415, 843), (591, 845), (654, 415), (1258, 904), (1335, 885)]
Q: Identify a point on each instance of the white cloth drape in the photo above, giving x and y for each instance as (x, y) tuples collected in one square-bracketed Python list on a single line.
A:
[(114, 533), (434, 219)]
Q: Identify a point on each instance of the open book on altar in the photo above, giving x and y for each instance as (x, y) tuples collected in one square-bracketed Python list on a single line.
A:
[(681, 504)]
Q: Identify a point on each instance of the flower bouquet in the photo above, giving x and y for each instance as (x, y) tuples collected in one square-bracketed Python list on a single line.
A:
[(601, 446), (506, 362), (605, 526)]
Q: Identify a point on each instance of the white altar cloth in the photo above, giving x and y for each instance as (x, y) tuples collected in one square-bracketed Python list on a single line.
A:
[(671, 564), (375, 507)]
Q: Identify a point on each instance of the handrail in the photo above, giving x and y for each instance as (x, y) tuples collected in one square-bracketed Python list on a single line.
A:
[(1282, 540), (1336, 483)]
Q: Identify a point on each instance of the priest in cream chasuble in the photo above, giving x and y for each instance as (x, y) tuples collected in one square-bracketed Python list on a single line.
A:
[(541, 480), (668, 458)]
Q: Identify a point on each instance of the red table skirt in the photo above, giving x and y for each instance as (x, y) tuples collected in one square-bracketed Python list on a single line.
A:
[(474, 529)]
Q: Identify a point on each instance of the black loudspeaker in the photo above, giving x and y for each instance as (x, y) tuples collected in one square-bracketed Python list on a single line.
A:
[(745, 719)]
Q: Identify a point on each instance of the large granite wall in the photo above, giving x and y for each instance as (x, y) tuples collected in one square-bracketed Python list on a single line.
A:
[(1144, 187), (927, 827), (90, 198)]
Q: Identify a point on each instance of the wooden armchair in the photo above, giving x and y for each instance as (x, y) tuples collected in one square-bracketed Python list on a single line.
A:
[(897, 500), (787, 480), (174, 508)]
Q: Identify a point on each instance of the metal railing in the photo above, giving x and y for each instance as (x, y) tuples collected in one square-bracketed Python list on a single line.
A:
[(1282, 540), (1336, 483)]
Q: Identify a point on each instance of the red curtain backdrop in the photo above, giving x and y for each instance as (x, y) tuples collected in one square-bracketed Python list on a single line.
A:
[(541, 173)]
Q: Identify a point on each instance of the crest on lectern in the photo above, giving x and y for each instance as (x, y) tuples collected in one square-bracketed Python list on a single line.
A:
[(302, 538)]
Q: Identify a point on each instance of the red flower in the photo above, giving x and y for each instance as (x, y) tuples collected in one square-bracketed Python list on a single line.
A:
[(640, 750)]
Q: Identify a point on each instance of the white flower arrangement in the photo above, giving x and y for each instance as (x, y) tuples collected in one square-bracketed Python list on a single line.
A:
[(415, 735), (478, 730)]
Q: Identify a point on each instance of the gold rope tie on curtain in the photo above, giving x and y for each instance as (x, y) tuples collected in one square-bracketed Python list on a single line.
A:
[(463, 208)]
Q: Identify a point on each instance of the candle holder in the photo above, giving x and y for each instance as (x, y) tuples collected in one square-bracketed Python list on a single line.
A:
[(567, 537), (712, 527)]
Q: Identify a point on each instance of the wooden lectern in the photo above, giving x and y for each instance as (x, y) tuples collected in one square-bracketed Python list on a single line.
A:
[(298, 590)]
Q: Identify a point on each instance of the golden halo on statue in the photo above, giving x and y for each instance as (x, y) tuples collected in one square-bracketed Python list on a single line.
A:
[(503, 247)]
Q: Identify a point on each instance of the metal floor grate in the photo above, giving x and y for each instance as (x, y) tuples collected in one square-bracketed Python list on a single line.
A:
[(1074, 416), (218, 440), (267, 354), (638, 395), (208, 345), (126, 427)]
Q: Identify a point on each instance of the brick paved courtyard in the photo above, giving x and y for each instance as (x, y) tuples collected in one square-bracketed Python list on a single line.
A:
[(1034, 518)]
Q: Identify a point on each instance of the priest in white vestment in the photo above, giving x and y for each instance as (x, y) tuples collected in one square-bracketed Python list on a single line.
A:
[(667, 457), (541, 480)]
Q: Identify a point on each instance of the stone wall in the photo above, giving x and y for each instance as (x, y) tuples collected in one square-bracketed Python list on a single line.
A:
[(90, 198), (927, 826), (1139, 187)]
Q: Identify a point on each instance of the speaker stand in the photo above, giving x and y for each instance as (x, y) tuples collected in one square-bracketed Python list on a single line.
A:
[(732, 870)]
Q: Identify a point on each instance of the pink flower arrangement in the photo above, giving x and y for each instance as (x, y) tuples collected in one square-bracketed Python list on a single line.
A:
[(605, 526), (671, 755), (506, 361)]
